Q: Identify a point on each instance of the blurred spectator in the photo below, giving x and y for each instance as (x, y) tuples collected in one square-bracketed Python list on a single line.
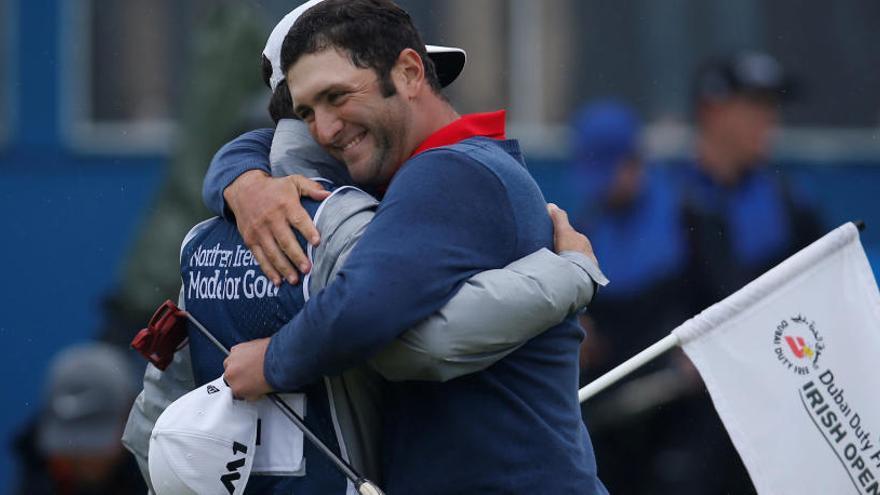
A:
[(631, 212), (74, 447), (743, 216), (674, 240)]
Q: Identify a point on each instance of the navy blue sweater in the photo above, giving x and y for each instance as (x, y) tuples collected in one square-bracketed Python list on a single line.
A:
[(513, 428)]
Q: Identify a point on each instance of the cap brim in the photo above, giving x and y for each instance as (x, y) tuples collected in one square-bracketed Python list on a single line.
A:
[(449, 62)]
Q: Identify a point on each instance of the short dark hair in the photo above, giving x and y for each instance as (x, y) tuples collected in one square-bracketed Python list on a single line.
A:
[(281, 104), (372, 32), (266, 70)]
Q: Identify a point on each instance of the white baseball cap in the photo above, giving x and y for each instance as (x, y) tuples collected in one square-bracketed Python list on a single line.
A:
[(448, 60), (204, 443)]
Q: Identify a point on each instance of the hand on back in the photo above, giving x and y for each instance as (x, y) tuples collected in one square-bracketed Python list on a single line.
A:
[(266, 210)]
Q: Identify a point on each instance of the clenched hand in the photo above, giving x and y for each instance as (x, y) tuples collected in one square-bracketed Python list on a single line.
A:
[(244, 369)]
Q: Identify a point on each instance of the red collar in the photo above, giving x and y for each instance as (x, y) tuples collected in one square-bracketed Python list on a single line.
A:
[(489, 125)]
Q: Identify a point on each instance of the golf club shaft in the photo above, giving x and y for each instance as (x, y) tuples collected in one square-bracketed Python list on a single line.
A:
[(294, 417), (343, 466)]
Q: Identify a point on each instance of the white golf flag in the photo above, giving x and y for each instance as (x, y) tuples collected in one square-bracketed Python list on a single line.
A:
[(792, 362)]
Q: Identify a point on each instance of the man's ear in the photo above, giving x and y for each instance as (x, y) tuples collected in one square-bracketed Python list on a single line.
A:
[(409, 73)]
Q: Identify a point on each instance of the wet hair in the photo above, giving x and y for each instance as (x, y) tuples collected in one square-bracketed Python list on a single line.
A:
[(371, 32)]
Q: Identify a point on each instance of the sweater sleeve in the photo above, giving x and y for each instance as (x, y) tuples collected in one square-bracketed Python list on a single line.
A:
[(493, 314), (250, 151), (444, 218)]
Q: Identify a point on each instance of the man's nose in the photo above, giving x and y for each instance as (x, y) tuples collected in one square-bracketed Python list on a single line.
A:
[(326, 127)]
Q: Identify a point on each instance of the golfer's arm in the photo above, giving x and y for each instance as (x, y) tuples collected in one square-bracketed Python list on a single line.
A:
[(399, 274), (161, 388), (492, 315), (250, 151)]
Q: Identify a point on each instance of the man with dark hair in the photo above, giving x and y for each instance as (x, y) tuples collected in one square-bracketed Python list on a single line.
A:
[(461, 201), (344, 409), (377, 20)]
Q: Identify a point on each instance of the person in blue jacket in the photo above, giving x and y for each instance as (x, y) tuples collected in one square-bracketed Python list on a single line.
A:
[(457, 200), (631, 209)]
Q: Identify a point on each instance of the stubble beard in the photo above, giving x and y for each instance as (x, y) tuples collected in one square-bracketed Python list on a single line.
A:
[(388, 135)]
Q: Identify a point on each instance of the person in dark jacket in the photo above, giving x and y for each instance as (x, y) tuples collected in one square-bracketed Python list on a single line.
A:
[(742, 216)]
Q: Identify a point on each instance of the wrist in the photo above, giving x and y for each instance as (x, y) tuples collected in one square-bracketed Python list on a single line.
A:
[(240, 187)]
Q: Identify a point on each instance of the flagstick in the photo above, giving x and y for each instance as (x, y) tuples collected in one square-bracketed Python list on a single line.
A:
[(628, 366), (642, 358)]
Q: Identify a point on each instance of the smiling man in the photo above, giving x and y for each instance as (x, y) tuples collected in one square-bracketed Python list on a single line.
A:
[(458, 200), (363, 119)]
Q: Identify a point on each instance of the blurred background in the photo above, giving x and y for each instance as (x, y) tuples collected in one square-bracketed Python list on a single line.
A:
[(110, 111)]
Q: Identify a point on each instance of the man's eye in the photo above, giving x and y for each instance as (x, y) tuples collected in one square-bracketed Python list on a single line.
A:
[(336, 98), (306, 115)]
